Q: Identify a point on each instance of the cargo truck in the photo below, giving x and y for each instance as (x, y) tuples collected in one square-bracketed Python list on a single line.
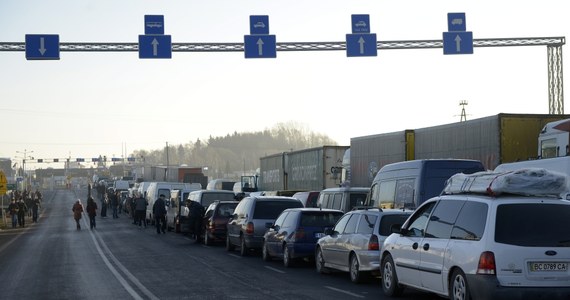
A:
[(312, 169), (492, 140)]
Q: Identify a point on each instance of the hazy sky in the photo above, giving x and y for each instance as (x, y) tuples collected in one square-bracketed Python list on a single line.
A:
[(100, 103)]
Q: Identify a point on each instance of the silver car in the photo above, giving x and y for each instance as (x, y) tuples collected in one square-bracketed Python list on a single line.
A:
[(353, 245)]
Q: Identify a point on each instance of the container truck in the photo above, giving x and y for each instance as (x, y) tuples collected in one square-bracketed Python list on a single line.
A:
[(312, 169), (492, 140)]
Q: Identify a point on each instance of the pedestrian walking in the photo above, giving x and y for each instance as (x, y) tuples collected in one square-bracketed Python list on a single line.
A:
[(140, 210), (104, 204), (22, 210), (35, 209), (77, 212), (114, 197), (91, 212), (159, 211), (13, 211), (196, 216)]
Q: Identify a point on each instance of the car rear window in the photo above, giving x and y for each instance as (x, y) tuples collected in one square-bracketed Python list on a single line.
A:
[(533, 225), (226, 209), (209, 198), (388, 220), (319, 219), (272, 209)]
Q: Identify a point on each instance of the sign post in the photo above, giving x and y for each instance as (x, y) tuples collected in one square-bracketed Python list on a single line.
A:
[(457, 40), (259, 44), (361, 42)]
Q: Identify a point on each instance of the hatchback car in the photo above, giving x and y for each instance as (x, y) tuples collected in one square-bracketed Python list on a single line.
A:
[(295, 233), (216, 220), (353, 245), (469, 244), (251, 218)]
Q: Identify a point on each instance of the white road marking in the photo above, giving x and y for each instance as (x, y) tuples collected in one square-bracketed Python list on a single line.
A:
[(275, 270), (344, 292)]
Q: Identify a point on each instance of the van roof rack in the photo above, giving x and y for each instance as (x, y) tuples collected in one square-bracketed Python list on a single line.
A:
[(525, 182)]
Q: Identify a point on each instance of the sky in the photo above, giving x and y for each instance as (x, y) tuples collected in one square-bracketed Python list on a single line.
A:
[(88, 104)]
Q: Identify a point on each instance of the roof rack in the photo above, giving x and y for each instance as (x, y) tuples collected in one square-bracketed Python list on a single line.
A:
[(526, 182)]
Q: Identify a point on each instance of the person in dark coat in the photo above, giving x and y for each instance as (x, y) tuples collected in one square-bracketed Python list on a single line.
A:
[(159, 212), (77, 212), (91, 212), (196, 216), (22, 210), (140, 210), (35, 209), (13, 211)]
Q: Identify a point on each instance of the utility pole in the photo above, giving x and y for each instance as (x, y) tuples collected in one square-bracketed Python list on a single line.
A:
[(463, 103), (26, 156), (167, 163)]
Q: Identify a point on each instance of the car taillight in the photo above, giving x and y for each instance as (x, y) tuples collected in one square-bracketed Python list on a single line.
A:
[(299, 234), (373, 243), (249, 228), (487, 264), (211, 224)]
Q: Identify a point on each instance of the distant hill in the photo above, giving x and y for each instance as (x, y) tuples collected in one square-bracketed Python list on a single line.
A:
[(237, 153)]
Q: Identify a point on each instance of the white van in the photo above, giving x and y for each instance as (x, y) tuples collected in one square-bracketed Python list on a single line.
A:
[(155, 189), (176, 210), (207, 197)]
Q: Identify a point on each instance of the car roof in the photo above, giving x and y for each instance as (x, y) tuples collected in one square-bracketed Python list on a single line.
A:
[(313, 209), (347, 189), (381, 211), (266, 198)]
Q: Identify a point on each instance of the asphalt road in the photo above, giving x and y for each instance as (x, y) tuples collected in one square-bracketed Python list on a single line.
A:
[(118, 260)]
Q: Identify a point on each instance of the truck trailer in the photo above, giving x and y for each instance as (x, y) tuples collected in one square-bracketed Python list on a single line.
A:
[(312, 169), (492, 140)]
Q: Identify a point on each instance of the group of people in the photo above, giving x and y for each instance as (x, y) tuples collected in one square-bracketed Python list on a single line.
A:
[(137, 207), (24, 204)]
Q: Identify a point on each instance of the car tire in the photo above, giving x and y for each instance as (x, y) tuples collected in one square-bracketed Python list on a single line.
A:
[(390, 285), (242, 247), (458, 287), (320, 262), (288, 261), (356, 276), (229, 246), (265, 253)]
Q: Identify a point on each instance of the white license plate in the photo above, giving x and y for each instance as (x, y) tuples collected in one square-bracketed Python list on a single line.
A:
[(319, 235), (548, 267)]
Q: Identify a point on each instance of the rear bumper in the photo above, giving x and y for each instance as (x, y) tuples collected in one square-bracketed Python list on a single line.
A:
[(302, 250), (488, 287)]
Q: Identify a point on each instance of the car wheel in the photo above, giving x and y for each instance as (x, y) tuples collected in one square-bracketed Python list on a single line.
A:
[(459, 290), (242, 248), (320, 262), (390, 285), (356, 275), (265, 252), (229, 246), (288, 261)]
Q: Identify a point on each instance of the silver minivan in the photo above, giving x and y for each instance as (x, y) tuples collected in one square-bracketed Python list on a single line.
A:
[(251, 219)]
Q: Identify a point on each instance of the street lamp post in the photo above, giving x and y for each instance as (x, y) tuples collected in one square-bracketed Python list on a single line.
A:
[(26, 156)]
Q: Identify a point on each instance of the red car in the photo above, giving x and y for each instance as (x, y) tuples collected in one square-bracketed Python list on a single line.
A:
[(216, 218)]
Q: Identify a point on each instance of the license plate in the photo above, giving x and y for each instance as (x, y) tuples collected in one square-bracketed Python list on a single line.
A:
[(548, 267), (319, 235)]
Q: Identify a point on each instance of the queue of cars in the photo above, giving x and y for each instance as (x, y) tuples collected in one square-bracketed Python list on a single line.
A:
[(485, 236)]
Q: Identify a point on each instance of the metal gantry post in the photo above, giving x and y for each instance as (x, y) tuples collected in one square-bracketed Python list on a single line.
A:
[(555, 80)]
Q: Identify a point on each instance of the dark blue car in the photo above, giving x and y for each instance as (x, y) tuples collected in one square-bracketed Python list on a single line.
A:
[(295, 232)]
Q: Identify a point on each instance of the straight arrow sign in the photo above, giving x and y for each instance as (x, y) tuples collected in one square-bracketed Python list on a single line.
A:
[(361, 42), (154, 47), (458, 43), (259, 47), (42, 46)]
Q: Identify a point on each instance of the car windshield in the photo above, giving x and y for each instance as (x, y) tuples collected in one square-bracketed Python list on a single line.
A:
[(320, 219), (533, 225)]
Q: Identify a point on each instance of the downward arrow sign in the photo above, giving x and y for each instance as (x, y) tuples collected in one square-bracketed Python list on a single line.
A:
[(458, 43), (361, 42), (154, 47), (259, 47), (42, 46)]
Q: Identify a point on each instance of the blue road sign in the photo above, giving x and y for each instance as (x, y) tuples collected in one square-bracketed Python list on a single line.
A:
[(258, 24), (456, 22), (361, 45), (360, 23), (155, 46), (153, 24), (42, 46), (260, 46), (458, 42)]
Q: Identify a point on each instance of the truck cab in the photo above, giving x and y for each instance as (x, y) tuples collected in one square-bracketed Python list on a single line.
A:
[(553, 139)]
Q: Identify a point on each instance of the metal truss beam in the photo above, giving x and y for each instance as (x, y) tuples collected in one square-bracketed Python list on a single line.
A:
[(553, 44)]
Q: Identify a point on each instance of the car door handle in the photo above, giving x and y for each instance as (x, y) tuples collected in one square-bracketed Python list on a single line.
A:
[(415, 246), (426, 247)]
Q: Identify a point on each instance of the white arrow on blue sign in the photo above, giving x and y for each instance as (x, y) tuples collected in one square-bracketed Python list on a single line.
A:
[(260, 46), (458, 42), (42, 46), (361, 45), (155, 46)]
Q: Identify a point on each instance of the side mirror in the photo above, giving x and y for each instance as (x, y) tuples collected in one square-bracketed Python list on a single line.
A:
[(328, 231), (269, 225)]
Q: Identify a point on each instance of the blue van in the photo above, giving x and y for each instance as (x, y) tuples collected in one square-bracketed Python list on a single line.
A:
[(408, 184)]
